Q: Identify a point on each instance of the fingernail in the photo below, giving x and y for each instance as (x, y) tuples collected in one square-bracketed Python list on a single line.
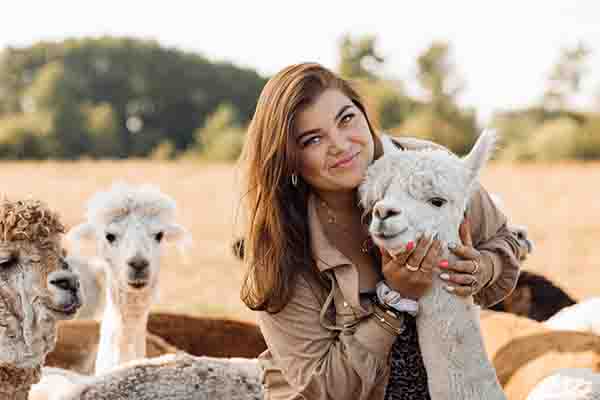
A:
[(443, 264), (449, 288), (452, 245), (410, 245), (445, 276)]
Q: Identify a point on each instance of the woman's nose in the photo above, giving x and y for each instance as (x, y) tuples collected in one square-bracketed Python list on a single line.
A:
[(338, 143)]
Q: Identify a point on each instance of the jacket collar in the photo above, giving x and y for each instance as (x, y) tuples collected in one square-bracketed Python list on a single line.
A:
[(325, 254)]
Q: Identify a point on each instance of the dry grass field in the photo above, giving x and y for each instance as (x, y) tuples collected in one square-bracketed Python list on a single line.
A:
[(558, 202)]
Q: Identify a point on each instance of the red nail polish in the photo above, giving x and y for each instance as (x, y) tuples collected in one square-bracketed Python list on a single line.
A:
[(410, 245), (443, 264)]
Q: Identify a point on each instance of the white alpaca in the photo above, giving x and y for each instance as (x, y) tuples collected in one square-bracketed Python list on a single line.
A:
[(427, 191), (129, 224), (91, 273), (582, 317), (37, 288), (568, 384)]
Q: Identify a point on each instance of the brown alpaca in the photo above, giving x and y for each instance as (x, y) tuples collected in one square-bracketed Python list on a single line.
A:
[(77, 346), (37, 288), (535, 297), (524, 351), (77, 341)]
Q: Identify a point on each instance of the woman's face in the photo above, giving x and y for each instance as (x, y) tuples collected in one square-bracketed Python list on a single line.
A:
[(334, 141)]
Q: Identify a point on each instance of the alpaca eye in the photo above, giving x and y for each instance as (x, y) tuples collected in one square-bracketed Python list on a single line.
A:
[(110, 237), (437, 202), (7, 262), (159, 236), (63, 284)]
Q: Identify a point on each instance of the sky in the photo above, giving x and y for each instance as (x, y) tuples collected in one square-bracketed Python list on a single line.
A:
[(504, 50)]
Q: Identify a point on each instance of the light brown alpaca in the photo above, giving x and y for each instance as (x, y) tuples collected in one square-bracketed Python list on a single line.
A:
[(77, 346), (524, 351), (77, 341), (37, 288)]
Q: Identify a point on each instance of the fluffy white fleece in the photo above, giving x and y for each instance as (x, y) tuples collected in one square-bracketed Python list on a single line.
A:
[(427, 191)]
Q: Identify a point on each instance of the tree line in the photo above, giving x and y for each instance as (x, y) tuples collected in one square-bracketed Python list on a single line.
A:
[(121, 97)]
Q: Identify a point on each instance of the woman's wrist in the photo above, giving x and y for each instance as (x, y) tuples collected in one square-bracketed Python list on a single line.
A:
[(391, 321)]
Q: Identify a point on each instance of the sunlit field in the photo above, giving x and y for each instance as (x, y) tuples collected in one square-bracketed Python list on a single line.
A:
[(559, 203)]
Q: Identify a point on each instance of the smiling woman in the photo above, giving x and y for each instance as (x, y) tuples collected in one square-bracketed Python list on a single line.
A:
[(334, 141), (311, 267)]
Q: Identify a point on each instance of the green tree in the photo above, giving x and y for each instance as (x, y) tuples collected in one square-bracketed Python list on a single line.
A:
[(565, 78), (156, 94), (441, 119), (102, 126), (222, 136), (24, 136), (438, 76), (358, 56)]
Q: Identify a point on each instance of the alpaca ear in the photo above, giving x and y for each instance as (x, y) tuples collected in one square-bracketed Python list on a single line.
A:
[(364, 195), (481, 152), (177, 234), (84, 231)]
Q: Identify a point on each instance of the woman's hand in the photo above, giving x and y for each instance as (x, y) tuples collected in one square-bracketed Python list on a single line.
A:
[(468, 275), (411, 272)]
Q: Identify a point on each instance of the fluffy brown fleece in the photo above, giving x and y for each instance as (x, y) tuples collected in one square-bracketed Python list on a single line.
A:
[(29, 220)]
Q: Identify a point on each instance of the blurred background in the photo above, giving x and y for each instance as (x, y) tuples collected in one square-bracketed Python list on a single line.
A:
[(93, 92)]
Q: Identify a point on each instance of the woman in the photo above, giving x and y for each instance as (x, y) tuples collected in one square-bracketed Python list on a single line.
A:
[(312, 269)]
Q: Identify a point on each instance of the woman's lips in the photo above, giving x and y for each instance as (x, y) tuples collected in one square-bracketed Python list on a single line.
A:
[(345, 161)]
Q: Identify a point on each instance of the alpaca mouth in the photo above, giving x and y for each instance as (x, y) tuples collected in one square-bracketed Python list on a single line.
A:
[(67, 310), (383, 235), (138, 283)]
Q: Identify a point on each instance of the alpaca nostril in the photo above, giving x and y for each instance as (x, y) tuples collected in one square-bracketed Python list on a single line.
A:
[(382, 212), (138, 264)]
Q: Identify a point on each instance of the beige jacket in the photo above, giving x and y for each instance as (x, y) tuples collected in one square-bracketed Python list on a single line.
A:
[(323, 345)]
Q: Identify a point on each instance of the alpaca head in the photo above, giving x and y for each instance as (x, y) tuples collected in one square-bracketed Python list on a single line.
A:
[(130, 225), (408, 193), (37, 287)]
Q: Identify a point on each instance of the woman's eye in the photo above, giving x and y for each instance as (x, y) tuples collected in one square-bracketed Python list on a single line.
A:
[(437, 202), (311, 141), (347, 118)]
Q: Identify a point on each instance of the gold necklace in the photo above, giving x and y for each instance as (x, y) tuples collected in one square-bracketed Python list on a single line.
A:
[(365, 247)]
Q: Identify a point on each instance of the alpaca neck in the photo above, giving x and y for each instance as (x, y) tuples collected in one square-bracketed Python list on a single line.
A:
[(15, 383), (123, 328), (452, 346)]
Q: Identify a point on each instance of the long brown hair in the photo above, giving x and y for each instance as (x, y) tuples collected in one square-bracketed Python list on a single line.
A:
[(277, 243)]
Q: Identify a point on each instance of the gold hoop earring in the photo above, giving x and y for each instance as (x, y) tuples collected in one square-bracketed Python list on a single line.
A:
[(294, 179)]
